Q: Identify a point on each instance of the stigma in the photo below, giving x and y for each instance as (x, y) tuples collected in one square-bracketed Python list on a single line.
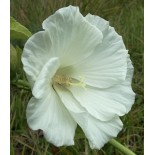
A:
[(67, 81)]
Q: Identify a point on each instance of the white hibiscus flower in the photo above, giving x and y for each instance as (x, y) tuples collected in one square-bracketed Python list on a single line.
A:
[(80, 73)]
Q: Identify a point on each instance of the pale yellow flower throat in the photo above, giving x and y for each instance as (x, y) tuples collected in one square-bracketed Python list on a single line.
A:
[(66, 81)]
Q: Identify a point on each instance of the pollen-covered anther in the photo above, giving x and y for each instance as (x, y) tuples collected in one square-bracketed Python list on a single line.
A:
[(68, 81)]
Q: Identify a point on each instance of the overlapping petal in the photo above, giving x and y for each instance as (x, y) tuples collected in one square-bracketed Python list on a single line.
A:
[(43, 83), (71, 104), (50, 115), (97, 21), (37, 51), (98, 132), (104, 104), (109, 33), (73, 37), (107, 65)]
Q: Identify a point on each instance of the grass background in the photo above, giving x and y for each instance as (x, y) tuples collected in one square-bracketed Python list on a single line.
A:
[(127, 18)]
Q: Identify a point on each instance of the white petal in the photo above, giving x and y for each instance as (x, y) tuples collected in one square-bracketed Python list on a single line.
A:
[(130, 71), (37, 51), (97, 103), (109, 34), (77, 111), (97, 21), (50, 115), (73, 37), (68, 100), (107, 65), (97, 132), (43, 82), (104, 104)]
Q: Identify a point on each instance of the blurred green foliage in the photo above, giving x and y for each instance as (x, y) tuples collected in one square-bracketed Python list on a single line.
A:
[(127, 18), (18, 31)]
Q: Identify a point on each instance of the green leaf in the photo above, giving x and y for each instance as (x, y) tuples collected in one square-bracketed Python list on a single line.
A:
[(18, 31)]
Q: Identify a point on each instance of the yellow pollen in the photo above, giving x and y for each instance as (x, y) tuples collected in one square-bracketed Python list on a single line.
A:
[(68, 81)]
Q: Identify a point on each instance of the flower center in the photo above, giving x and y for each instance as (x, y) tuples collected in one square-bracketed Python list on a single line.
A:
[(67, 81)]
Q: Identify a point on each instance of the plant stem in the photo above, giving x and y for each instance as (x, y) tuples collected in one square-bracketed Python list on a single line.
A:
[(122, 148)]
